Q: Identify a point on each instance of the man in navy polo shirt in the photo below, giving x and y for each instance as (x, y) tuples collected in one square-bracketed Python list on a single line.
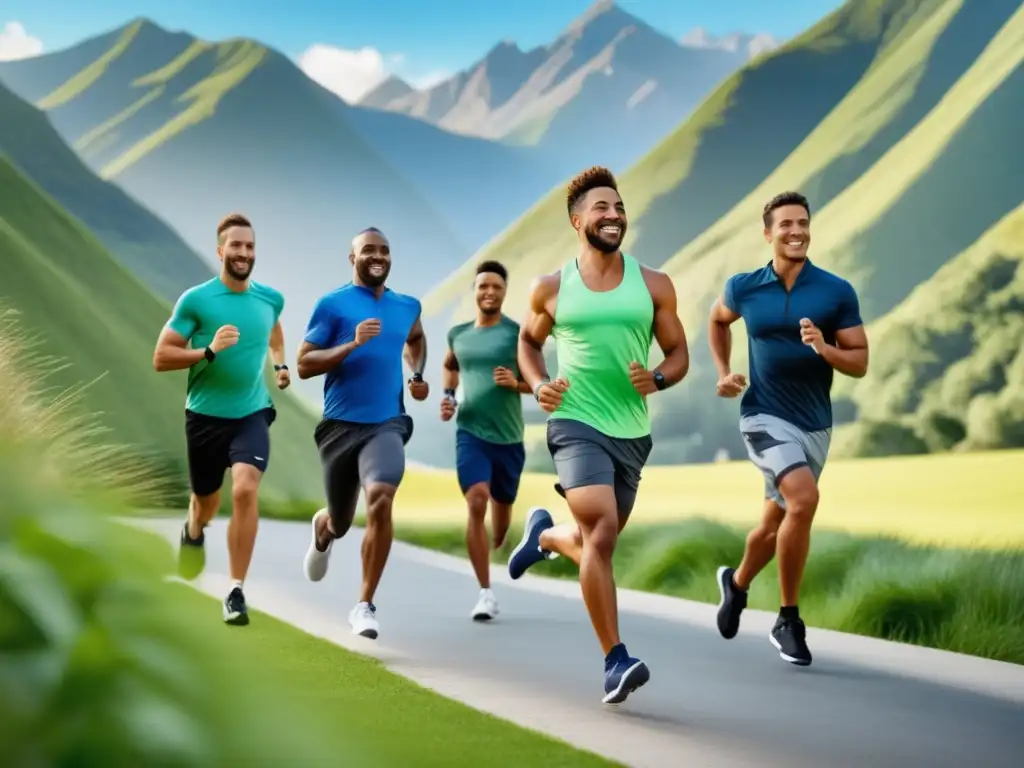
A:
[(357, 336), (802, 324)]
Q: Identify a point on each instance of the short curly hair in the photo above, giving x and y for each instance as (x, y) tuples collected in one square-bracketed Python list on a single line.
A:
[(229, 221), (780, 200), (592, 178)]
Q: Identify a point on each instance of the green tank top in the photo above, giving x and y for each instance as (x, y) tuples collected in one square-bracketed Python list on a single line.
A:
[(597, 335)]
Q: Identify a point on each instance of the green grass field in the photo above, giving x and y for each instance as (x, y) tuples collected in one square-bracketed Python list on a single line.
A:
[(392, 720), (955, 500)]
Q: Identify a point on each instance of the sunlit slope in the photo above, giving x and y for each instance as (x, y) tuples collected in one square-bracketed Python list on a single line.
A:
[(728, 146), (948, 362), (86, 309), (134, 235)]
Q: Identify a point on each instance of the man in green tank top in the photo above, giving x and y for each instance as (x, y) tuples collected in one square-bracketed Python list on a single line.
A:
[(489, 450), (220, 331), (602, 308)]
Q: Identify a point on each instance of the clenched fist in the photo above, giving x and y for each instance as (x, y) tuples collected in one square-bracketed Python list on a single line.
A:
[(731, 385), (366, 330), (418, 388), (549, 395), (448, 406), (226, 336), (504, 377), (810, 335)]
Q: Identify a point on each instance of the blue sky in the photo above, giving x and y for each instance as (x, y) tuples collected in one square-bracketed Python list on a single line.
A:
[(418, 39)]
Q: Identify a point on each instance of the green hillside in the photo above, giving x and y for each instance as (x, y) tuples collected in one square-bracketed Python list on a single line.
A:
[(86, 309), (137, 238), (911, 163), (949, 368), (736, 138)]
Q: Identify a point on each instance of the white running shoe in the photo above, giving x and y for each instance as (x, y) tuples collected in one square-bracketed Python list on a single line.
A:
[(315, 562), (363, 620), (486, 607)]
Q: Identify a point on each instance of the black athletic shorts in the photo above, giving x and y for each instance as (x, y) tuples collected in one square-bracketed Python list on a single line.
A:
[(356, 455), (215, 444)]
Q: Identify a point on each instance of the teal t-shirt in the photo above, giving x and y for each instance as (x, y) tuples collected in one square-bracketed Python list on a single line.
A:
[(487, 411), (233, 385)]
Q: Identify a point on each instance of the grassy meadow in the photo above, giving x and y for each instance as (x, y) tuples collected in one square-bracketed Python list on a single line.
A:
[(107, 663)]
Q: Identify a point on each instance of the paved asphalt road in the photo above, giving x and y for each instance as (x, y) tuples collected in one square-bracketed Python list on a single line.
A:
[(710, 702)]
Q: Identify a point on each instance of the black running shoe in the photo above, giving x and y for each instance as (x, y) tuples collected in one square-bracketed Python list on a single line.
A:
[(234, 608), (733, 601), (789, 638), (191, 554)]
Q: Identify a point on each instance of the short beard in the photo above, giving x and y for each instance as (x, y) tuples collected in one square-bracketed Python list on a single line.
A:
[(370, 280), (602, 245), (234, 274), (490, 312)]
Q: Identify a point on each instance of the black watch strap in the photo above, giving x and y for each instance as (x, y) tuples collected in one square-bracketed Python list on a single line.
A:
[(210, 354), (282, 367), (659, 380)]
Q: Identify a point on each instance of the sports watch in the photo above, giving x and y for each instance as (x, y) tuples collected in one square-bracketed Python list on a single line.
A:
[(209, 354), (659, 380), (281, 367)]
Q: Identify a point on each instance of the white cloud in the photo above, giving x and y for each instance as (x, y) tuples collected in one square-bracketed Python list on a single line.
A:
[(350, 74), (353, 73), (16, 43)]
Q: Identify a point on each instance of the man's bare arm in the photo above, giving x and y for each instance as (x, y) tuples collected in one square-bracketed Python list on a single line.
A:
[(720, 336), (172, 352), (849, 356), (277, 351), (314, 361), (416, 348), (668, 328), (535, 331), (450, 374)]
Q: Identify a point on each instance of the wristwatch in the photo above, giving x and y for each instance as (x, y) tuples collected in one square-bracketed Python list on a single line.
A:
[(416, 377), (281, 367), (449, 394), (659, 380), (209, 354)]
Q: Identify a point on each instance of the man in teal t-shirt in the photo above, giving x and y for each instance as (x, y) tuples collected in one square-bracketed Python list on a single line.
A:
[(220, 331), (489, 450)]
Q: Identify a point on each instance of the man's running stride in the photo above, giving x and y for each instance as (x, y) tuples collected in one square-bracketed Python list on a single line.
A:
[(220, 331), (802, 324), (601, 308), (489, 450), (356, 336)]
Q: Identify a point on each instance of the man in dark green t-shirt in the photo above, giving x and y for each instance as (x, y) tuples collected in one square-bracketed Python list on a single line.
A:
[(489, 450)]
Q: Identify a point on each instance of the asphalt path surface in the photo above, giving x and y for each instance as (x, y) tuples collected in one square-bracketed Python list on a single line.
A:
[(710, 702)]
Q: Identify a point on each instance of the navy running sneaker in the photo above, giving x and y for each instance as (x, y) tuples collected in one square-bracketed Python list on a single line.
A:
[(789, 636), (731, 604), (234, 608), (622, 675), (191, 554), (528, 552)]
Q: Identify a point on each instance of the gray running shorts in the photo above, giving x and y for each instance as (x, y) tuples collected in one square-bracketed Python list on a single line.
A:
[(777, 447), (355, 456), (584, 456)]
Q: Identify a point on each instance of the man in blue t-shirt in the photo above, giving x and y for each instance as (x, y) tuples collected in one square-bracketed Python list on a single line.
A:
[(357, 337), (802, 323)]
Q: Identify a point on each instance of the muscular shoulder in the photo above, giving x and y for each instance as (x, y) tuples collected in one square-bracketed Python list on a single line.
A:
[(544, 288), (508, 322), (405, 301), (833, 283), (658, 283)]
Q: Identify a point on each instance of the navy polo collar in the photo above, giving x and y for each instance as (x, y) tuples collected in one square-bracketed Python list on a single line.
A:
[(769, 275)]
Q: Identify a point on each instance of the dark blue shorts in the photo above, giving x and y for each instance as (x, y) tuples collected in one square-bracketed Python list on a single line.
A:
[(478, 461)]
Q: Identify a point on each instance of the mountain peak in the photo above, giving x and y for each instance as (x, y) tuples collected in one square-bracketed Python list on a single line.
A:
[(600, 9)]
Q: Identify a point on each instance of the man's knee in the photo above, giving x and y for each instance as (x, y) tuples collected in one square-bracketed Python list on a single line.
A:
[(596, 511), (379, 500), (245, 486), (799, 489), (476, 500)]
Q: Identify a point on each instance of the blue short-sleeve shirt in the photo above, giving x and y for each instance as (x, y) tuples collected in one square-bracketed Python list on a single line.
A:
[(368, 386), (788, 379)]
